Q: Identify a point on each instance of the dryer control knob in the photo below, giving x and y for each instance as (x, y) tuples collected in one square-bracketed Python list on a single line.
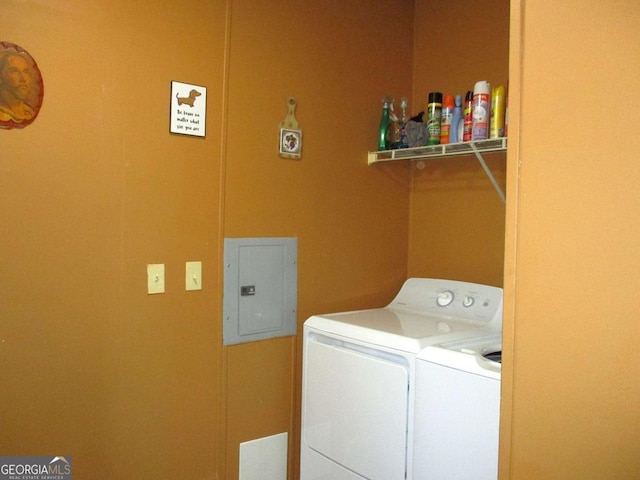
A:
[(444, 298), (468, 301)]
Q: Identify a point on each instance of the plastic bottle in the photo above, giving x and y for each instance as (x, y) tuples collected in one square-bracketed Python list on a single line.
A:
[(393, 137), (403, 122), (467, 115), (445, 119), (496, 129), (384, 124), (481, 110), (434, 111), (457, 123)]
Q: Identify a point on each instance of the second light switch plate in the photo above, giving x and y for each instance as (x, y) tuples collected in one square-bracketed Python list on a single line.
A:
[(193, 277)]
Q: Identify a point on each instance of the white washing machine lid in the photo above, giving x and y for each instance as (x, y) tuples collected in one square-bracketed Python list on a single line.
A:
[(396, 329), (466, 355), (425, 311)]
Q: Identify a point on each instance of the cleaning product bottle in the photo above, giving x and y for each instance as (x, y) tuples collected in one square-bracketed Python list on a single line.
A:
[(467, 115), (434, 111), (481, 110), (496, 129), (384, 124), (446, 119), (457, 125)]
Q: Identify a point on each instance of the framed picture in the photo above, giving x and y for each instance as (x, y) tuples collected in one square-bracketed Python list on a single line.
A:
[(21, 87), (188, 109)]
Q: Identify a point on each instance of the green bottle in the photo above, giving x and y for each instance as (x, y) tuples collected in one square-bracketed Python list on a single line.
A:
[(384, 124)]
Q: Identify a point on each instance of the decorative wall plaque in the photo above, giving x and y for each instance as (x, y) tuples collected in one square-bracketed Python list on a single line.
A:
[(21, 87), (290, 133), (188, 109)]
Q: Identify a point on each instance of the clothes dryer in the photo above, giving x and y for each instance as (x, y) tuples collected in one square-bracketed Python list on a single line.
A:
[(359, 379)]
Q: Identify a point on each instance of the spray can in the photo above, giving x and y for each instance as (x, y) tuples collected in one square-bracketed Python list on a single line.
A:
[(467, 115), (496, 129), (434, 112), (446, 119), (481, 111)]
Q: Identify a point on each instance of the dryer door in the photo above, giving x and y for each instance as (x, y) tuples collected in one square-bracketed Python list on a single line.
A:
[(356, 407)]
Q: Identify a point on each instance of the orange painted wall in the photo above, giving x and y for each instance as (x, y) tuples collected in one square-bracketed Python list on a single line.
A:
[(139, 386), (571, 370), (338, 60), (457, 218), (94, 190)]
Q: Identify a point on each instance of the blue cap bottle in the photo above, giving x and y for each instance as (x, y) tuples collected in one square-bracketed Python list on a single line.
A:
[(457, 122)]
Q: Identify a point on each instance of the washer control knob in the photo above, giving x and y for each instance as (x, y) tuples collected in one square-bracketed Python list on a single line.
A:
[(444, 298), (468, 301)]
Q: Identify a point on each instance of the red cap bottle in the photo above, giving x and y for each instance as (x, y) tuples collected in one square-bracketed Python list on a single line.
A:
[(445, 119)]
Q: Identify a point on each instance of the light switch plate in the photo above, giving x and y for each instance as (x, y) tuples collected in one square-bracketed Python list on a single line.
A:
[(155, 278), (193, 277)]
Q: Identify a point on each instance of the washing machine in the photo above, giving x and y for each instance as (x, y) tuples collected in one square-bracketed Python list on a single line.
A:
[(457, 416), (359, 376)]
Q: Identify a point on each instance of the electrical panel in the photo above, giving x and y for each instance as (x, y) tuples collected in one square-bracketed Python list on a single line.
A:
[(260, 288)]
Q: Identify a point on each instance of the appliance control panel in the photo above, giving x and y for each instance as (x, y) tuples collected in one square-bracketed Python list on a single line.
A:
[(452, 299)]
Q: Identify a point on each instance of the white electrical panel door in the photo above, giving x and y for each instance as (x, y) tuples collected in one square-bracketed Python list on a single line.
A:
[(260, 289), (355, 409)]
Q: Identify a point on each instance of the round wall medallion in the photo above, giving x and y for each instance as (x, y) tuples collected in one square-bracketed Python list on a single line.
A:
[(21, 87)]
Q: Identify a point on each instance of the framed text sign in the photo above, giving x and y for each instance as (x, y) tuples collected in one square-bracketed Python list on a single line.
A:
[(188, 109)]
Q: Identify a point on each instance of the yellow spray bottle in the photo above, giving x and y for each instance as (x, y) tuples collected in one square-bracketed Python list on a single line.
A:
[(498, 98)]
